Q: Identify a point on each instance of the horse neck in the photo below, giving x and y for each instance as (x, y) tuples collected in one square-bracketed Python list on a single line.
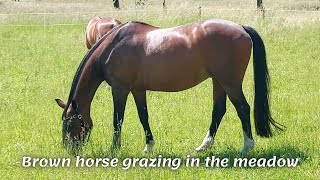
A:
[(86, 88)]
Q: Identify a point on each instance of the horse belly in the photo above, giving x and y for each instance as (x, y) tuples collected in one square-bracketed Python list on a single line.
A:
[(173, 75), (174, 84)]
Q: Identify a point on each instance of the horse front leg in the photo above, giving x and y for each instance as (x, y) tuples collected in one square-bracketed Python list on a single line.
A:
[(141, 103), (119, 102)]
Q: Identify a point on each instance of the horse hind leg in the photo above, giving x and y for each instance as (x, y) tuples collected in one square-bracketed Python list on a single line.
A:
[(243, 109), (219, 109)]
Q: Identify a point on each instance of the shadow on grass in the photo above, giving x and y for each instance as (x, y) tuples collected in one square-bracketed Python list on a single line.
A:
[(285, 152)]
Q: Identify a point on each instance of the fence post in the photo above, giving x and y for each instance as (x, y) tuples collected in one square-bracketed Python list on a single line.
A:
[(116, 4), (135, 8), (261, 8), (259, 4)]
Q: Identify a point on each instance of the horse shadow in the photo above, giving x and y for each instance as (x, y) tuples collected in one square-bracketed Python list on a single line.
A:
[(285, 152)]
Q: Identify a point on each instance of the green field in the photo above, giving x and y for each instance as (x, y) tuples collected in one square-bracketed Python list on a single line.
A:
[(39, 55)]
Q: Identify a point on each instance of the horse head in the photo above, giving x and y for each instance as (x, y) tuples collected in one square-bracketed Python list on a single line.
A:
[(75, 130)]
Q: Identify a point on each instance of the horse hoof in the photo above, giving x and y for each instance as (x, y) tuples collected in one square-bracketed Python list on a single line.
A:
[(247, 147), (203, 147), (114, 148), (149, 146), (207, 142), (199, 149)]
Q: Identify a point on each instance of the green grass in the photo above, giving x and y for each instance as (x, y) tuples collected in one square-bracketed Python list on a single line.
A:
[(38, 64)]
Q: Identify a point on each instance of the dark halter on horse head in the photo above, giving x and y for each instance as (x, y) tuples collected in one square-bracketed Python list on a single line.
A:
[(135, 57), (84, 126)]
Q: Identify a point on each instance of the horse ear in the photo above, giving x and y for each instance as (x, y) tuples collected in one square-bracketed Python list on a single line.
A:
[(74, 105), (60, 103)]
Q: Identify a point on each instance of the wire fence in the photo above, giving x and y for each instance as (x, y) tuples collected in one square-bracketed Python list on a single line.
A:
[(149, 10), (81, 18)]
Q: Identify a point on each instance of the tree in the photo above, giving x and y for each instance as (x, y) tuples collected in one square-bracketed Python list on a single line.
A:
[(116, 4)]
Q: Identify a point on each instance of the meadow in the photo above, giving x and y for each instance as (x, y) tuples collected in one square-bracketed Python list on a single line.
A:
[(42, 44)]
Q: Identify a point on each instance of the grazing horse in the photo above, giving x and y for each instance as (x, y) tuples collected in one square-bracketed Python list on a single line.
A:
[(135, 57), (97, 27)]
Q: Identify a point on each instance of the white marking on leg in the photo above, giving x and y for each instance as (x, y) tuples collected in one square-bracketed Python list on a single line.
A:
[(247, 144), (207, 142), (149, 146)]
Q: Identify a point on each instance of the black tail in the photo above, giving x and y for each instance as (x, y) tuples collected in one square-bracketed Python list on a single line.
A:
[(262, 114)]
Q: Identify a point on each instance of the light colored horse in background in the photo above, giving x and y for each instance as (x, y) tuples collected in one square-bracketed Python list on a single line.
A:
[(97, 27)]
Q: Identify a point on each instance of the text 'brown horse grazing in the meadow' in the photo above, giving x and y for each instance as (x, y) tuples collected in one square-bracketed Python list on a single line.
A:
[(135, 57), (97, 27)]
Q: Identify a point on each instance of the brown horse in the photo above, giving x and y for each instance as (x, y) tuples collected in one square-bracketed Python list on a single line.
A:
[(97, 27), (135, 57)]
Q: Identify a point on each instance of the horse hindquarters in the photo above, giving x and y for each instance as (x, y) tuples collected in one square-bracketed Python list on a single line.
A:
[(228, 68)]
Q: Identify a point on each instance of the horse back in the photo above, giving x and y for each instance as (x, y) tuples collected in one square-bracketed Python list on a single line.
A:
[(174, 59)]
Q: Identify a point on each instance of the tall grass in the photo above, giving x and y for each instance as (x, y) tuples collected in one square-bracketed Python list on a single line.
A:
[(38, 64)]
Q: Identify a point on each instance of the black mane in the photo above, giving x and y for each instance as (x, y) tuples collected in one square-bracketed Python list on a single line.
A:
[(85, 60), (143, 23)]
